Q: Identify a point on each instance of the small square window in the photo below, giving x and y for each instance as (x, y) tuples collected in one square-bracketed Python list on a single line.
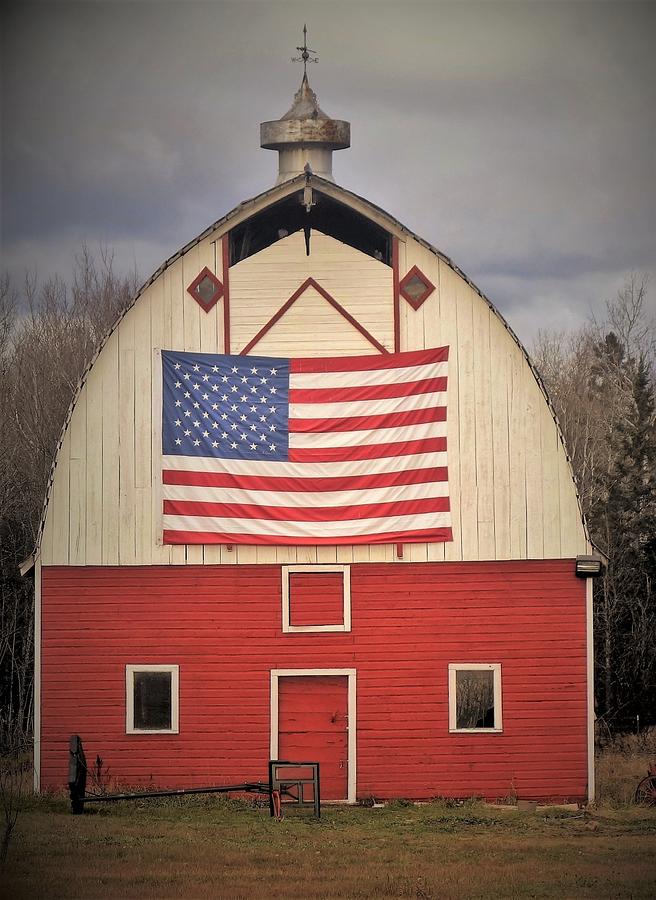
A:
[(151, 699), (475, 697), (316, 598)]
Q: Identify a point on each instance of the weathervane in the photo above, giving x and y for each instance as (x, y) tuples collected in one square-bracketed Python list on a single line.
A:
[(305, 57)]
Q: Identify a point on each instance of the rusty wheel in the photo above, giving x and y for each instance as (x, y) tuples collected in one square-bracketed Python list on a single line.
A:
[(646, 791)]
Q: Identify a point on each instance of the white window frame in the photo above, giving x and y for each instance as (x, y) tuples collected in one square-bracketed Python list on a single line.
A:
[(345, 571), (130, 671), (498, 714), (351, 675)]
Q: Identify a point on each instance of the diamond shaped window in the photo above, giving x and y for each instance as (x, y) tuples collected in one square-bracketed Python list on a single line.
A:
[(206, 289), (415, 287)]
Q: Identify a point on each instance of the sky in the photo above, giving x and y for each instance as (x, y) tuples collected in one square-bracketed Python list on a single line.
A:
[(516, 137)]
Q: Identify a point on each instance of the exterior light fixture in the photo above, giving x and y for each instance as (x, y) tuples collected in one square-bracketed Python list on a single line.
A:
[(588, 566)]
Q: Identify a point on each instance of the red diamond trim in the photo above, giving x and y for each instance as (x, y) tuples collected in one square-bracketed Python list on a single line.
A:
[(415, 302), (216, 296)]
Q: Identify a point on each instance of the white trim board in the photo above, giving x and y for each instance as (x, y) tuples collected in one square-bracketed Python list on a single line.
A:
[(130, 671), (454, 668), (351, 674), (345, 571), (37, 675)]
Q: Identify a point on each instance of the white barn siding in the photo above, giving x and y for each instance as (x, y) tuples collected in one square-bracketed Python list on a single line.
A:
[(510, 482)]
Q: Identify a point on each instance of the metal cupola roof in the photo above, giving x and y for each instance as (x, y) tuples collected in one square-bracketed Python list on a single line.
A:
[(305, 135)]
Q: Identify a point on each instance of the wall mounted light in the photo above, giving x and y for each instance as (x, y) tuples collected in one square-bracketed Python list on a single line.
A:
[(588, 566)]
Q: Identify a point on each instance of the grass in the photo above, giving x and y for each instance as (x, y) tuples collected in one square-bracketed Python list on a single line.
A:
[(215, 847)]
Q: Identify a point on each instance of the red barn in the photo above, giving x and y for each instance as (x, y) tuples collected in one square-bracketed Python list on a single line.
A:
[(416, 625)]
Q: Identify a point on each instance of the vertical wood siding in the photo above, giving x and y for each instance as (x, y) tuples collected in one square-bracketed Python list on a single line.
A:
[(409, 622), (511, 487)]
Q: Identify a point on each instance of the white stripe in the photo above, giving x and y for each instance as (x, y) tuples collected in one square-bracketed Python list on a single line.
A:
[(363, 378), (365, 407), (272, 528), (265, 469), (367, 437), (305, 499)]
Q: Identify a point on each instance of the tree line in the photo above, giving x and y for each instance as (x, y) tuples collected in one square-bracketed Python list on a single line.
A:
[(600, 380)]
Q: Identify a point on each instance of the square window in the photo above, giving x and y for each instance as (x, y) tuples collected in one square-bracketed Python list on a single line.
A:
[(152, 699), (316, 598), (475, 697)]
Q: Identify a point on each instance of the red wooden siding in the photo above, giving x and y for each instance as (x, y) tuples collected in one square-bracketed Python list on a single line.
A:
[(312, 727), (222, 626), (316, 598)]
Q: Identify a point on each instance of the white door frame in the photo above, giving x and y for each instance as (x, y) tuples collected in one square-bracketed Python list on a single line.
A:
[(276, 674)]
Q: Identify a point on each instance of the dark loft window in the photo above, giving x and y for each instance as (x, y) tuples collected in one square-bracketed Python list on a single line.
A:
[(152, 700), (475, 697), (327, 215)]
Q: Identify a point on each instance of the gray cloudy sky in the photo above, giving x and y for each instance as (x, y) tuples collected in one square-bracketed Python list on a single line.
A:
[(517, 137)]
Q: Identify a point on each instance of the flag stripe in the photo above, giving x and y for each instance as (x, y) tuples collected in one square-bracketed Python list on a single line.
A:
[(324, 514), (364, 407), (303, 499), (363, 363), (367, 423), (420, 454), (368, 392), (405, 535), (259, 483), (371, 452), (295, 530), (305, 380)]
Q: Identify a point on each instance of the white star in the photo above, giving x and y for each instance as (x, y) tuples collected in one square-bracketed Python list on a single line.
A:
[(178, 384), (187, 375), (253, 446), (234, 426), (234, 389), (187, 432), (215, 406), (178, 441), (272, 446), (242, 437), (224, 416), (272, 409), (187, 412), (234, 407), (273, 390), (253, 390), (196, 405), (215, 443), (244, 379), (263, 380), (253, 408), (263, 437), (196, 424), (234, 370), (254, 371), (224, 397), (215, 368), (215, 424), (196, 368), (262, 418), (177, 366), (206, 377), (233, 445), (274, 371), (187, 394), (272, 427), (178, 423), (224, 435), (196, 443), (225, 379), (206, 434), (206, 396), (215, 387), (178, 402), (196, 387), (253, 427), (242, 418), (206, 415)]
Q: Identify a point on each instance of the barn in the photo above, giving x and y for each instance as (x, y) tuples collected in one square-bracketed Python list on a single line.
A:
[(382, 568)]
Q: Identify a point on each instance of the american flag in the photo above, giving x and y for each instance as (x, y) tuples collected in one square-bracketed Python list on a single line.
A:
[(347, 450)]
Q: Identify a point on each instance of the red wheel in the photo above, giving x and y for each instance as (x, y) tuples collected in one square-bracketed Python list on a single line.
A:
[(646, 791)]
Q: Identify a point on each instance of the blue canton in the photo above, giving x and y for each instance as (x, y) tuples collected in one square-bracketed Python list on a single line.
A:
[(231, 407)]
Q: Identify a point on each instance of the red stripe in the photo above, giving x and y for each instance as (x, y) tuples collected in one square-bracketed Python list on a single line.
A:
[(365, 363), (345, 483), (306, 513), (369, 451), (391, 537), (367, 423), (369, 392)]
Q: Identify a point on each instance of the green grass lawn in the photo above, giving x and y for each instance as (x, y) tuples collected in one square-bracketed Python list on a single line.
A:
[(213, 847)]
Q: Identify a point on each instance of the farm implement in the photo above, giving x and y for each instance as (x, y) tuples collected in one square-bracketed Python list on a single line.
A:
[(290, 782)]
